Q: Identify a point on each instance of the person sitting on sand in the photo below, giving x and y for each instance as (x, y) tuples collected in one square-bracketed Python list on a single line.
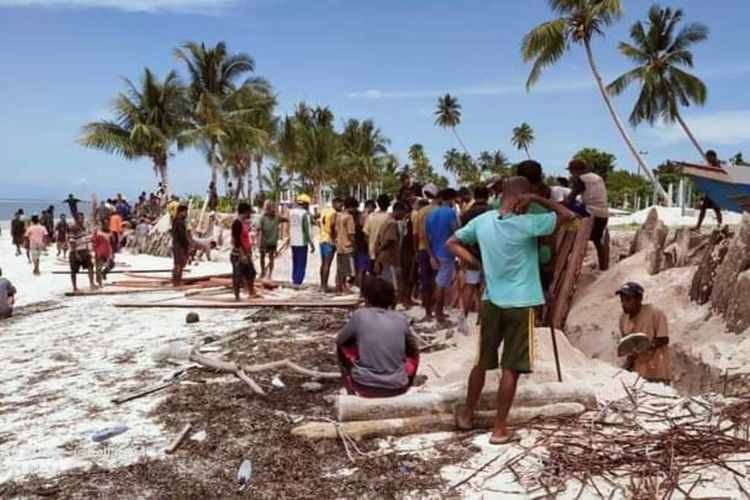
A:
[(507, 240), (378, 355), (79, 255), (7, 297), (36, 237), (180, 244), (653, 364), (243, 270)]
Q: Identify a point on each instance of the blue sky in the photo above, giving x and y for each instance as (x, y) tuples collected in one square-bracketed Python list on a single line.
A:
[(387, 60)]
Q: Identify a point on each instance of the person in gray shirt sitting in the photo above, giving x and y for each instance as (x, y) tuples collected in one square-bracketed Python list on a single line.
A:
[(377, 352), (7, 297)]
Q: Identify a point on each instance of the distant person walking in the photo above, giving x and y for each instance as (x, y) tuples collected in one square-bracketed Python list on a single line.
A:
[(102, 239), (7, 297), (593, 192), (61, 236), (18, 230), (80, 252), (115, 226), (706, 202), (72, 203), (300, 238), (36, 236), (180, 244), (243, 270)]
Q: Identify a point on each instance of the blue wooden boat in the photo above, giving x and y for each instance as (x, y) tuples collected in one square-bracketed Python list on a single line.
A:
[(727, 185)]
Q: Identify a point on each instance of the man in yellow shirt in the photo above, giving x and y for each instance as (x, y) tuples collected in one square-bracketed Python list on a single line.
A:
[(327, 241)]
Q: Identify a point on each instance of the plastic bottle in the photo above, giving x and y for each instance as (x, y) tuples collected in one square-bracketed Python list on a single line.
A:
[(245, 472), (105, 434)]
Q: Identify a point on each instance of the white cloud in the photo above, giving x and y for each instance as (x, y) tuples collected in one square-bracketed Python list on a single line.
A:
[(725, 128), (194, 6), (476, 90)]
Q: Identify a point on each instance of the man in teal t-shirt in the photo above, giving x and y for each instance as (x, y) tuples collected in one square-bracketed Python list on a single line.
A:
[(507, 241)]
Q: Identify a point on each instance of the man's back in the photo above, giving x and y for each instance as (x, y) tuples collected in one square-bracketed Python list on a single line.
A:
[(510, 260), (594, 195), (381, 337), (297, 223), (372, 228), (440, 225)]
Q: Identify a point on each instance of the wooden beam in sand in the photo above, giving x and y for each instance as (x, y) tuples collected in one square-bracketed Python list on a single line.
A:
[(127, 271), (429, 423)]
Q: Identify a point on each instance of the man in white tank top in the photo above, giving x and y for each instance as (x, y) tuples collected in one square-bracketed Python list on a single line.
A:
[(593, 192)]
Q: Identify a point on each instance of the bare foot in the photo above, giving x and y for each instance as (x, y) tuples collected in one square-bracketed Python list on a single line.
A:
[(463, 421)]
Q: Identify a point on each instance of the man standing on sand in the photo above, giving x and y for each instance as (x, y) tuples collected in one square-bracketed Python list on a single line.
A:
[(213, 197), (345, 232), (593, 192), (300, 238), (327, 244), (80, 255), (243, 270), (102, 240), (180, 244), (115, 226), (507, 240), (17, 231), (473, 274), (7, 297), (270, 230), (36, 236), (388, 248), (61, 236), (72, 203), (374, 222), (653, 364), (439, 226), (424, 265), (707, 203)]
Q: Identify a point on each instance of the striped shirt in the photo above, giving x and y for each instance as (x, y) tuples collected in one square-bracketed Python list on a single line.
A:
[(79, 239)]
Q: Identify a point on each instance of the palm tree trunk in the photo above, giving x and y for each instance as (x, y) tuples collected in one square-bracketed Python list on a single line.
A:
[(691, 136), (621, 128), (460, 141), (160, 164), (528, 155), (259, 172), (214, 162)]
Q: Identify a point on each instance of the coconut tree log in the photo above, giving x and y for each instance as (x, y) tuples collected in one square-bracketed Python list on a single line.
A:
[(429, 423), (355, 408)]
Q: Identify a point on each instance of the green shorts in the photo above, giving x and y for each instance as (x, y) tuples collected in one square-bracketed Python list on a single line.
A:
[(514, 329)]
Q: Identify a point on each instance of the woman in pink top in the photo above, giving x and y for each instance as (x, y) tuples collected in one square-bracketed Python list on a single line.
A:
[(36, 236)]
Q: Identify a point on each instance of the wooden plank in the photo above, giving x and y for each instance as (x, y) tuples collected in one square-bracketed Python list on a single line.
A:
[(128, 271), (246, 304), (141, 393)]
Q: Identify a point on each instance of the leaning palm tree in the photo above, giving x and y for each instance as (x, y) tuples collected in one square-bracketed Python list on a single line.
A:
[(448, 115), (214, 74), (523, 137), (662, 54), (578, 22), (148, 120)]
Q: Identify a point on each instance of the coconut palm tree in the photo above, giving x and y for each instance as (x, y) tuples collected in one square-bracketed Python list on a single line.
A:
[(318, 146), (662, 54), (276, 182), (148, 120), (420, 168), (578, 22), (448, 115), (363, 153), (215, 75), (523, 137), (494, 163)]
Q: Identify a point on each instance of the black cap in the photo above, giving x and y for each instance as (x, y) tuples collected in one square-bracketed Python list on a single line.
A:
[(630, 289)]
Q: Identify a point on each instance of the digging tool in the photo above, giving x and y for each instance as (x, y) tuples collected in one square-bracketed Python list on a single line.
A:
[(554, 349)]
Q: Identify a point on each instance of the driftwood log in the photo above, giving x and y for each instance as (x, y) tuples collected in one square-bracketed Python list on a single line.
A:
[(429, 423), (413, 404), (562, 296)]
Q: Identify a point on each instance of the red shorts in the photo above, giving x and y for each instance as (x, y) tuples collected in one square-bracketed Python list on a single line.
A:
[(348, 355)]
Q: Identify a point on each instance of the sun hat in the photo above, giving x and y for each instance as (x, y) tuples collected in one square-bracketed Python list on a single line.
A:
[(430, 190)]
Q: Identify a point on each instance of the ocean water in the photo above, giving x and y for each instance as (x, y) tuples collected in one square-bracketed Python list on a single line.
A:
[(8, 207)]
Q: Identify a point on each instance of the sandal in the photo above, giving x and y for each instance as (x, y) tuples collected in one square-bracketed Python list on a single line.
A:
[(512, 437)]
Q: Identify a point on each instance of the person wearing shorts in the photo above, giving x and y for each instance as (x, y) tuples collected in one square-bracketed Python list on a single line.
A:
[(388, 247), (345, 231), (473, 276), (327, 244), (510, 259), (440, 225), (36, 237), (79, 255), (270, 229), (424, 264)]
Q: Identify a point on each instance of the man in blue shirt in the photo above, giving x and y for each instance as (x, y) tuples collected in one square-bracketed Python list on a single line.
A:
[(507, 241), (439, 226)]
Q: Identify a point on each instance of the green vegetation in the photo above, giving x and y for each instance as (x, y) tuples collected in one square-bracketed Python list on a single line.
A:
[(600, 162), (523, 138), (661, 54), (578, 22)]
